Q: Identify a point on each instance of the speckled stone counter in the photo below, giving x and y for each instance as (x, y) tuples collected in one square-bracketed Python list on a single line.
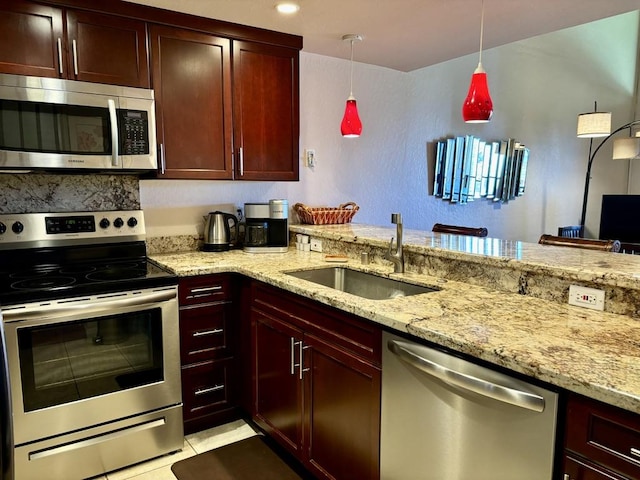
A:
[(493, 309)]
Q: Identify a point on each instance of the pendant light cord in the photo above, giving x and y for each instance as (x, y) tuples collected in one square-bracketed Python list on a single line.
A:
[(481, 32), (351, 85)]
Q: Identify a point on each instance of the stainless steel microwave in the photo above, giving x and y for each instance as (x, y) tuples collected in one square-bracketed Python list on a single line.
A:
[(52, 124)]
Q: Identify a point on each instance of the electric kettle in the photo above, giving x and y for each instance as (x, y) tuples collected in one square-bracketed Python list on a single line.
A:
[(220, 231)]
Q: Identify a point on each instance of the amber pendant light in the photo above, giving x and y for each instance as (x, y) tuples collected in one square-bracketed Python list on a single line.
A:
[(351, 125), (478, 107)]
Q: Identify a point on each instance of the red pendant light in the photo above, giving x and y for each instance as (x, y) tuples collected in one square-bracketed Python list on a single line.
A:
[(351, 126), (478, 106)]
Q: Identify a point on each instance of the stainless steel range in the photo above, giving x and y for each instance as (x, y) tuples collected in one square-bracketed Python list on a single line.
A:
[(90, 338)]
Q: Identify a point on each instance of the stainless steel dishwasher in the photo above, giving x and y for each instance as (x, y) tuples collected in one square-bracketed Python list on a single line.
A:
[(445, 418)]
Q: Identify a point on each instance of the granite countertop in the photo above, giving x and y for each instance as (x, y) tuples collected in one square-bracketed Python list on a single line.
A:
[(585, 351)]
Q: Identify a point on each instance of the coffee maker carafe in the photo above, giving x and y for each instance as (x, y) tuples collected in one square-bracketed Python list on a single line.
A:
[(266, 227)]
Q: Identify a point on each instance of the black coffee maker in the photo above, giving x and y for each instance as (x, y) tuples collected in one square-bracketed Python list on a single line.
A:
[(266, 227)]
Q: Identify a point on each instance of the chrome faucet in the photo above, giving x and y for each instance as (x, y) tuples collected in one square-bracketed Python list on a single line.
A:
[(396, 258)]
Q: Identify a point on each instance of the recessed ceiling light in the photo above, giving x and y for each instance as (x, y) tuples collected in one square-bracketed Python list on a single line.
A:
[(287, 7)]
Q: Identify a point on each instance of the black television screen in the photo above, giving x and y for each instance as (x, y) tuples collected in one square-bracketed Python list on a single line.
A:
[(620, 218)]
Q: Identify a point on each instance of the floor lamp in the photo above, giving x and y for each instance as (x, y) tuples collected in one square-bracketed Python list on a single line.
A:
[(592, 125)]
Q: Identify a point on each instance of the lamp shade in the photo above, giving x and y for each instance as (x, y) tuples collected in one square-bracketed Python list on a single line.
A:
[(626, 148), (478, 107), (595, 124), (351, 125)]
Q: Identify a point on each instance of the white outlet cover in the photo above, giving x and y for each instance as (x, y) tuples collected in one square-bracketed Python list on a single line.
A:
[(586, 297)]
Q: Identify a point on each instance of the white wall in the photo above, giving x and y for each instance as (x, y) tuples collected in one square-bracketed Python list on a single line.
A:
[(538, 87)]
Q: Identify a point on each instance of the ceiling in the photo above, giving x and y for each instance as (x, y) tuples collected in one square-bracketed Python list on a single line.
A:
[(405, 34)]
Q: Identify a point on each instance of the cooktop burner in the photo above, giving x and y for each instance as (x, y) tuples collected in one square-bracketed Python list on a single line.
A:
[(53, 256)]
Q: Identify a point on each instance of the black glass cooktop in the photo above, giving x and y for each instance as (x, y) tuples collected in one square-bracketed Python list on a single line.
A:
[(41, 274)]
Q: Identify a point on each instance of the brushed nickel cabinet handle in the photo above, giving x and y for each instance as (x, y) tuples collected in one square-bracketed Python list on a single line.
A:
[(241, 157), (206, 289), (75, 57), (163, 165), (302, 369), (203, 333), (60, 56), (203, 391)]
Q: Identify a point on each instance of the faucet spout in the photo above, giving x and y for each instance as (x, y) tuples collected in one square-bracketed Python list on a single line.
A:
[(396, 258)]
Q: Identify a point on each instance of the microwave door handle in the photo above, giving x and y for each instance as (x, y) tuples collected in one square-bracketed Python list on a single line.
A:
[(114, 131)]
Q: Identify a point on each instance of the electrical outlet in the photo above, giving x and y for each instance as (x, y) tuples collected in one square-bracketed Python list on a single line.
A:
[(316, 245), (310, 157), (586, 297)]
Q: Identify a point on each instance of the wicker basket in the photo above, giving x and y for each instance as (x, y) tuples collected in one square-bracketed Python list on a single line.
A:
[(326, 215)]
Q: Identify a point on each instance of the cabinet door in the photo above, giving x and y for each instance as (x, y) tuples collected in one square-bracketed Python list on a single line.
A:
[(191, 77), (31, 40), (342, 413), (266, 111), (107, 49), (278, 388)]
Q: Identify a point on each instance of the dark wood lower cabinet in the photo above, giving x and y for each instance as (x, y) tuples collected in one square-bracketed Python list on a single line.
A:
[(317, 383), (208, 351), (343, 410), (601, 441)]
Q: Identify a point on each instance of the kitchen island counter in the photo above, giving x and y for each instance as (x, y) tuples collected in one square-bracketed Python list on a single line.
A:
[(585, 351)]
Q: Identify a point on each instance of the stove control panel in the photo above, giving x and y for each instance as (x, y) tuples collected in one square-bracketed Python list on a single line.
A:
[(28, 230)]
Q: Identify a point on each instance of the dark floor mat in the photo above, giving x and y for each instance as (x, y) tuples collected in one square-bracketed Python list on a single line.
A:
[(249, 459)]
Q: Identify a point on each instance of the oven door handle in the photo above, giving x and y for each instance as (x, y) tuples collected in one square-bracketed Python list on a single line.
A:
[(43, 311)]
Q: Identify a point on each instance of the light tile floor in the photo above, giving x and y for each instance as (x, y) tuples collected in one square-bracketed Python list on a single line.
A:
[(160, 468)]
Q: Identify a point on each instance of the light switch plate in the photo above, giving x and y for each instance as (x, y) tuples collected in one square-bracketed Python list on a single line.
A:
[(316, 245)]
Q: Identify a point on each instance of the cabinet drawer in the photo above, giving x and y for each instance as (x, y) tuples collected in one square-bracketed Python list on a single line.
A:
[(604, 434), (576, 468), (207, 387), (204, 289), (342, 329), (204, 333)]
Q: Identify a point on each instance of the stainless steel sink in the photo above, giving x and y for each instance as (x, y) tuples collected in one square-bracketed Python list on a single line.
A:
[(362, 284)]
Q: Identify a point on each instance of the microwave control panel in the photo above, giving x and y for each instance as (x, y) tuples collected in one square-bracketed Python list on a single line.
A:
[(134, 132)]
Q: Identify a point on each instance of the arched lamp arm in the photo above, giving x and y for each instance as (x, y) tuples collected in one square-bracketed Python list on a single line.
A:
[(588, 177)]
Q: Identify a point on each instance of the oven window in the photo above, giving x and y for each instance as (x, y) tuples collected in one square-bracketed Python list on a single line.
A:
[(71, 361), (52, 128)]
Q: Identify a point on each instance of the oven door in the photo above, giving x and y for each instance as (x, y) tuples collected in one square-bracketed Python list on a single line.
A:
[(77, 363)]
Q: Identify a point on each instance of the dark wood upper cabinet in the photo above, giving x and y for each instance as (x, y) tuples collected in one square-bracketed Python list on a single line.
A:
[(107, 49), (31, 40), (192, 84), (227, 95), (94, 47), (266, 111)]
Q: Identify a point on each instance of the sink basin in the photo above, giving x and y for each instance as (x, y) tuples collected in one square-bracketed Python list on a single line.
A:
[(362, 284)]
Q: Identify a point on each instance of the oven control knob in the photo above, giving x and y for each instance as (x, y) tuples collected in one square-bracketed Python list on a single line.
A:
[(118, 222), (104, 223), (132, 222), (17, 228), (3, 228)]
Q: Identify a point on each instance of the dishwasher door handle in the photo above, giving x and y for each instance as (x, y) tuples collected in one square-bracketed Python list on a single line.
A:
[(501, 393)]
